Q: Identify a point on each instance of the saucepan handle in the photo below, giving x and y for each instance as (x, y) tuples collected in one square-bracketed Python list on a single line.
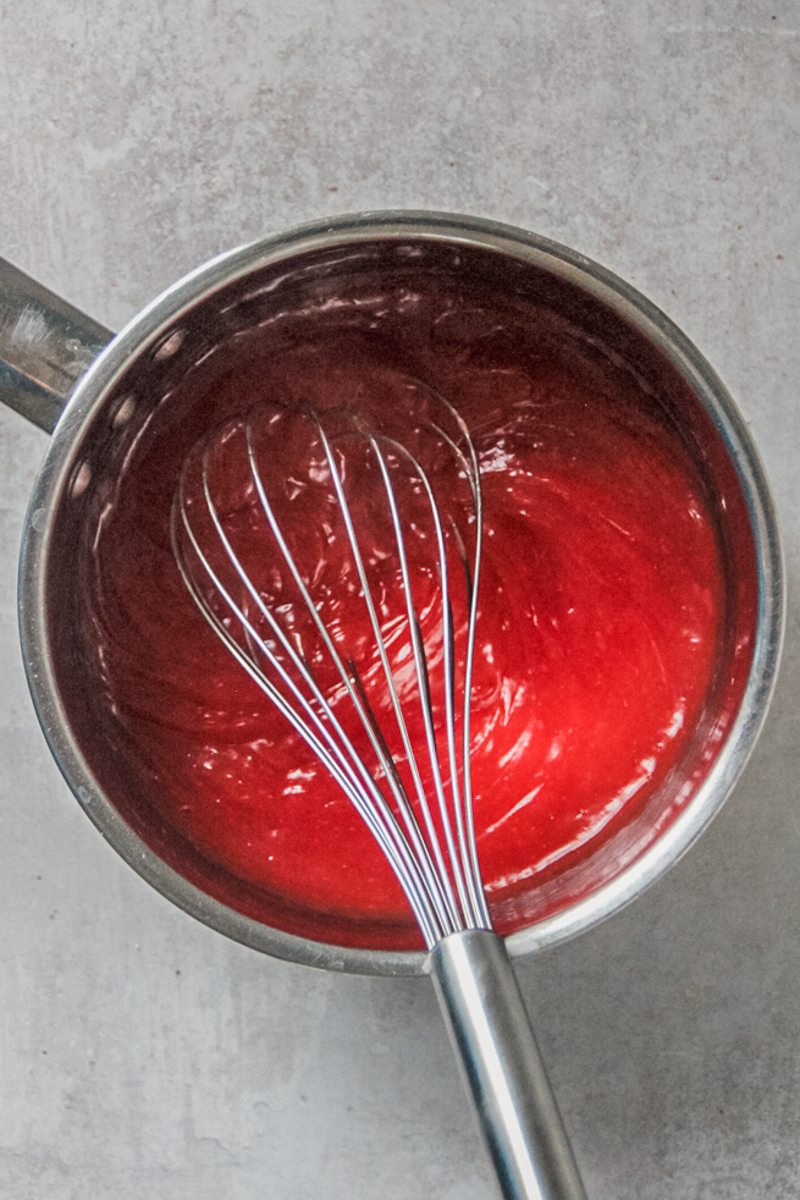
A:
[(503, 1070), (45, 347)]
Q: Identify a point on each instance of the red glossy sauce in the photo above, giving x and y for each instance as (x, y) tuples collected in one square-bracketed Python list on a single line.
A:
[(599, 622)]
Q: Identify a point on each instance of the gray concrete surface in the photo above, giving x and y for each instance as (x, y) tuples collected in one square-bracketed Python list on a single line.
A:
[(141, 1054)]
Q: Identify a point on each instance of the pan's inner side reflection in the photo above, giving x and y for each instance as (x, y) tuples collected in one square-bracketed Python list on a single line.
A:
[(601, 617)]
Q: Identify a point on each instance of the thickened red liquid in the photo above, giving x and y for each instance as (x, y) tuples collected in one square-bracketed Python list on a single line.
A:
[(600, 615)]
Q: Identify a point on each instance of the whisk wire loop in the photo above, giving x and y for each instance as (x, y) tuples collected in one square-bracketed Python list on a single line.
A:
[(420, 658), (465, 814)]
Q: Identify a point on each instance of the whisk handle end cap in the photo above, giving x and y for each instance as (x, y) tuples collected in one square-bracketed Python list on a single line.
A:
[(503, 1069)]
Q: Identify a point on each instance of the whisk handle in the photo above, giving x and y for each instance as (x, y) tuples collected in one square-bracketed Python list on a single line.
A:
[(503, 1069)]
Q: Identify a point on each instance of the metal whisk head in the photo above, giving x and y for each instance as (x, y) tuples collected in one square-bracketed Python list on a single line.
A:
[(369, 659)]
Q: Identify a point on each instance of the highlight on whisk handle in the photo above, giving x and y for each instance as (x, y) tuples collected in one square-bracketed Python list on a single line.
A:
[(503, 1069)]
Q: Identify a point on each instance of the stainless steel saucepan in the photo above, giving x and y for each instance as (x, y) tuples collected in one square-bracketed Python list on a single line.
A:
[(94, 392)]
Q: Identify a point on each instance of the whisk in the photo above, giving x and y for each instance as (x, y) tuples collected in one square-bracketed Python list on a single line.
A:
[(394, 497)]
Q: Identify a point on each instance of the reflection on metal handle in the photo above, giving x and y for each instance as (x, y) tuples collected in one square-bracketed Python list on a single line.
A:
[(45, 346), (504, 1072)]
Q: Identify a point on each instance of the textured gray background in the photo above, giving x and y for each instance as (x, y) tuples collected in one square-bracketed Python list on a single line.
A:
[(142, 1055)]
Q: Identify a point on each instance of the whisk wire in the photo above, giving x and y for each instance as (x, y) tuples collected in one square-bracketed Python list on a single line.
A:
[(418, 647), (465, 815)]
